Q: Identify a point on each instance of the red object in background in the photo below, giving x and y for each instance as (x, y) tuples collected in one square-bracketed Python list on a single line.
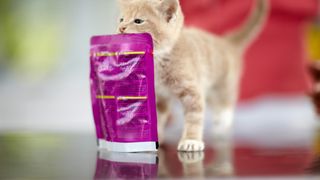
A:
[(276, 61)]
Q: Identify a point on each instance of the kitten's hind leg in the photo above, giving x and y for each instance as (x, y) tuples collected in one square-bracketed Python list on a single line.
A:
[(223, 121), (222, 105)]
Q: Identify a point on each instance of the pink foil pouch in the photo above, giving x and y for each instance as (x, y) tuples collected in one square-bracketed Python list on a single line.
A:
[(123, 93)]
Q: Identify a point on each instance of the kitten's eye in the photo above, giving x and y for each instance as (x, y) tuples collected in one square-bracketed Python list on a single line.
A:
[(121, 20), (138, 21)]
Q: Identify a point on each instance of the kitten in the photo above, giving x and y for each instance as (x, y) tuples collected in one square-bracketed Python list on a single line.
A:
[(194, 66)]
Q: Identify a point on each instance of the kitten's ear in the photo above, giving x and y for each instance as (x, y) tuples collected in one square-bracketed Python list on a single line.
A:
[(169, 8)]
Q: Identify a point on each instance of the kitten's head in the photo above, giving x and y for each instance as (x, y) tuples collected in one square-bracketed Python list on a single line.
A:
[(163, 19)]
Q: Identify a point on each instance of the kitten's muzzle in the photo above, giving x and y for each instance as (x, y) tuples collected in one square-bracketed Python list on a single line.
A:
[(122, 29)]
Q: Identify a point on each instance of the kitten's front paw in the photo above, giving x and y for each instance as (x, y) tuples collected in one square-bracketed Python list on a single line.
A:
[(189, 145)]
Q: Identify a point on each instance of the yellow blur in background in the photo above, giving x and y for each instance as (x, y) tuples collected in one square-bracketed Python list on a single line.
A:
[(31, 42), (313, 41)]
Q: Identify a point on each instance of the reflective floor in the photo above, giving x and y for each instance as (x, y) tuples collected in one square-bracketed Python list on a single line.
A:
[(47, 156)]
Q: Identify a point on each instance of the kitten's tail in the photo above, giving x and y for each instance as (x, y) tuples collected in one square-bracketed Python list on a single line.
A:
[(246, 34)]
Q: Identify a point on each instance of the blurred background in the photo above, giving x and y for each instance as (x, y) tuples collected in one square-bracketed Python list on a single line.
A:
[(44, 63), (44, 89)]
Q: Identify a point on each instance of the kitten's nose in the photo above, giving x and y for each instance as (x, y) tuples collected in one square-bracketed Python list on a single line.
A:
[(122, 29)]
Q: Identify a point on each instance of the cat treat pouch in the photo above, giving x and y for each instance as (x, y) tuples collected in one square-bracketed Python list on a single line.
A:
[(123, 93)]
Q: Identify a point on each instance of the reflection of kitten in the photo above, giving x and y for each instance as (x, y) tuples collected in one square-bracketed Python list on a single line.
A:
[(192, 65)]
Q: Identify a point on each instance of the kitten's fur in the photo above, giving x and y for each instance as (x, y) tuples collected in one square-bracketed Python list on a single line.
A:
[(194, 66)]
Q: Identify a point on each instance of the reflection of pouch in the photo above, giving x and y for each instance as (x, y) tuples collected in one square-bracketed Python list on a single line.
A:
[(122, 92), (111, 165)]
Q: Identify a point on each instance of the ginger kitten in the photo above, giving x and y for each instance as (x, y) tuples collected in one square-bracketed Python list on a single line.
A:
[(196, 67)]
